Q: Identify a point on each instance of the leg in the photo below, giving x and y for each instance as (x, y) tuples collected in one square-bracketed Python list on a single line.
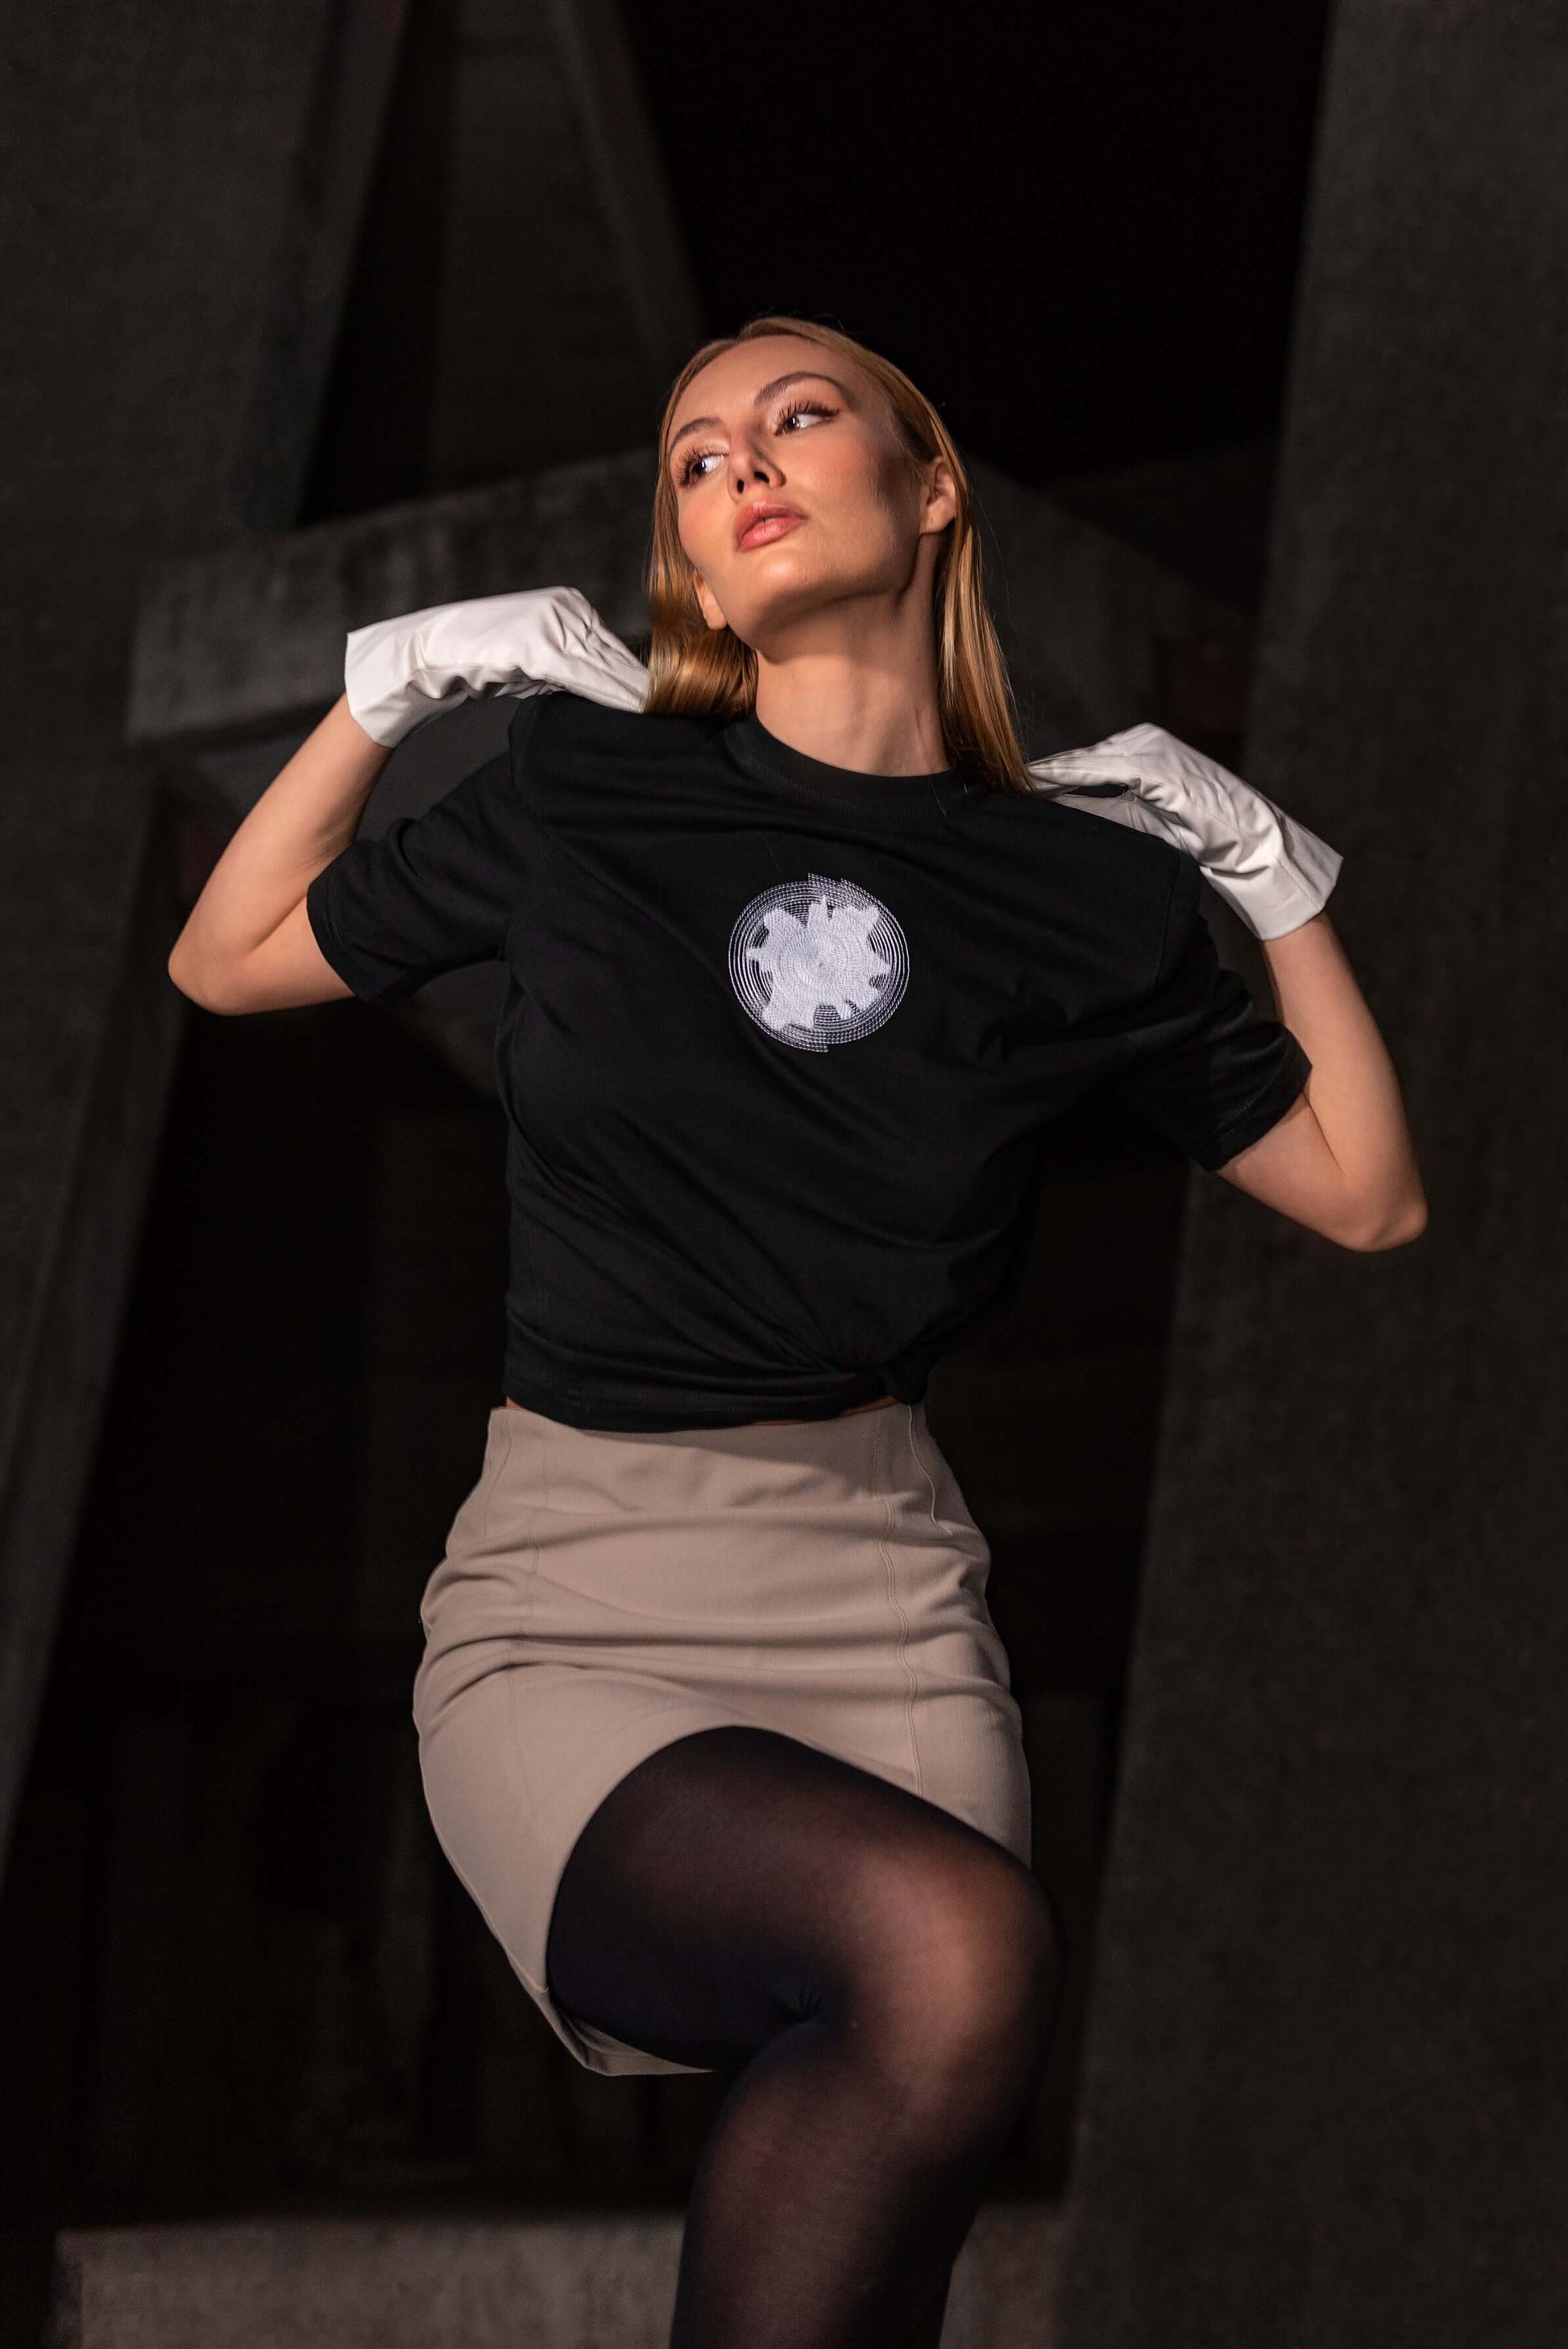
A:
[(879, 1976)]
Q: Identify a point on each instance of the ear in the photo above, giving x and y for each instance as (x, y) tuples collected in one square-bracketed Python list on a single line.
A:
[(706, 601), (940, 506)]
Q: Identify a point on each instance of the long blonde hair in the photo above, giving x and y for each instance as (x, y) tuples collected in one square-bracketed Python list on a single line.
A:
[(698, 671)]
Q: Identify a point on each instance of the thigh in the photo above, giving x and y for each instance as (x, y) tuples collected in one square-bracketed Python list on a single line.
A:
[(738, 1881)]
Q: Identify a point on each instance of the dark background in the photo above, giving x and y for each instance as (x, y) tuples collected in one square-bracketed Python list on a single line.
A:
[(1076, 226)]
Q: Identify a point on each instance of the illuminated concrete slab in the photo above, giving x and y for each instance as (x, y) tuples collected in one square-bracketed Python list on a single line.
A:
[(555, 2283)]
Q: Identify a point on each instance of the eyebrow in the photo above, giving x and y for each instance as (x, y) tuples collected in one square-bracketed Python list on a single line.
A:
[(779, 383)]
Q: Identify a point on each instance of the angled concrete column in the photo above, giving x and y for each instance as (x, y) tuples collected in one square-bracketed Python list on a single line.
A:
[(1323, 2103), (153, 182), (566, 302)]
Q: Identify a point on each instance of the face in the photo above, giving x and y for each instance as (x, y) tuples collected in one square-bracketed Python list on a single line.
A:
[(795, 491)]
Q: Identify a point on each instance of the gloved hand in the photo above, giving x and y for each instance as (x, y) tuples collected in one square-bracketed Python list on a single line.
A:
[(398, 673), (1272, 870)]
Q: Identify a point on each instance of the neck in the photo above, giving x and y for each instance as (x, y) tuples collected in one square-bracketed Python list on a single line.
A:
[(858, 689)]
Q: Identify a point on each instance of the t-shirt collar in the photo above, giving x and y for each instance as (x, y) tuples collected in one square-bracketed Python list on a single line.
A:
[(762, 755)]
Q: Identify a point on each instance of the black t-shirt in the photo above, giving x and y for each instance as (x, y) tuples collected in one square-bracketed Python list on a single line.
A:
[(779, 1046)]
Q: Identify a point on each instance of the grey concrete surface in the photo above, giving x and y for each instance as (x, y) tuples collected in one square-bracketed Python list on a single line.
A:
[(1088, 624), (252, 636), (1326, 2095), (563, 2283)]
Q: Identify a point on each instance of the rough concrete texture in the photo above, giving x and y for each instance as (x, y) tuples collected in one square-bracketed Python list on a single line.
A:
[(560, 2283), (1326, 2093), (252, 636), (152, 156)]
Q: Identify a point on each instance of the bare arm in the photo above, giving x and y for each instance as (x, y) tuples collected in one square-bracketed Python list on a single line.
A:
[(248, 945), (1341, 1159)]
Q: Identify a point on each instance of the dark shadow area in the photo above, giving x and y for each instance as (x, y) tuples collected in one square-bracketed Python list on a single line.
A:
[(373, 440), (1076, 228)]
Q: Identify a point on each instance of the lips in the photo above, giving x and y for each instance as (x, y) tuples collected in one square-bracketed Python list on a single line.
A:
[(764, 520)]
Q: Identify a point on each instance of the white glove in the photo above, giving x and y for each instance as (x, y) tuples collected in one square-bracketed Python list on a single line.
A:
[(400, 672), (1272, 870)]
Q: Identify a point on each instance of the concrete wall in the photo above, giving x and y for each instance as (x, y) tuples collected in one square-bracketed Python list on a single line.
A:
[(153, 156), (1326, 2103)]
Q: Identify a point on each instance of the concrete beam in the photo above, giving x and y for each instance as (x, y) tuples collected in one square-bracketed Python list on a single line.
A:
[(251, 638), (248, 638)]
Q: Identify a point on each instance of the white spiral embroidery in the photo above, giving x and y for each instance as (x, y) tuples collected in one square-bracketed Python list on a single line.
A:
[(818, 962)]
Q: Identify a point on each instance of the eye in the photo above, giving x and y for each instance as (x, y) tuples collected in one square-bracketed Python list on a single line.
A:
[(800, 410), (696, 465)]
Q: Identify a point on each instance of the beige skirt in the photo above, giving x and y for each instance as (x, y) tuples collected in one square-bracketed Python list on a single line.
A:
[(604, 1594)]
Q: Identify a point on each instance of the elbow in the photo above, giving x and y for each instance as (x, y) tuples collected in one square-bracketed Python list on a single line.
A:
[(1388, 1225), (181, 971), (200, 986)]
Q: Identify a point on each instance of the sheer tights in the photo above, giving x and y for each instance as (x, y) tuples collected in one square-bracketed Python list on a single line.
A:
[(877, 1978)]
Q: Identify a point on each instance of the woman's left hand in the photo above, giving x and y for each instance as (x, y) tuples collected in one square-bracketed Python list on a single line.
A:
[(1274, 873)]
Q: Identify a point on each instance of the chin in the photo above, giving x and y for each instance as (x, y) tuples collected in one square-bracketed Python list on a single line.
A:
[(775, 607)]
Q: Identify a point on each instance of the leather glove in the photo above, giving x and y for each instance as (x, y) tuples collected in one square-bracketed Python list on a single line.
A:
[(398, 673), (1272, 870)]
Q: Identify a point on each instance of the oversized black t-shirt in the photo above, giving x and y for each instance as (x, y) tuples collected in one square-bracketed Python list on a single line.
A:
[(780, 1043)]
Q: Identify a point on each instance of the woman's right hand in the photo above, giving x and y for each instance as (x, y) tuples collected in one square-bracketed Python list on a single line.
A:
[(398, 673)]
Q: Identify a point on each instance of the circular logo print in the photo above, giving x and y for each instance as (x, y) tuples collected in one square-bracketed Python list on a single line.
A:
[(818, 962)]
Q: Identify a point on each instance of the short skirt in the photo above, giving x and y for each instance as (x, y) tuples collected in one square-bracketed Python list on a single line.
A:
[(604, 1594)]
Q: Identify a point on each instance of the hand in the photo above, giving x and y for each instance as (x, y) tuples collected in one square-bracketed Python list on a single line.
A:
[(1272, 870), (398, 673)]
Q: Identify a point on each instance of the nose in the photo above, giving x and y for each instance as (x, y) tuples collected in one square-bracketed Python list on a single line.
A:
[(751, 465)]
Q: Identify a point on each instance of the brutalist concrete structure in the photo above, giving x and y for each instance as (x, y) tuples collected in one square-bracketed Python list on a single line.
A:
[(1325, 2103)]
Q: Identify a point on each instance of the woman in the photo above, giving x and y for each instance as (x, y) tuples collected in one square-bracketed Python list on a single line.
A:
[(714, 1722)]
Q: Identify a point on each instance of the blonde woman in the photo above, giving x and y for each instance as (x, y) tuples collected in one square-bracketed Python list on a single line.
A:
[(802, 962)]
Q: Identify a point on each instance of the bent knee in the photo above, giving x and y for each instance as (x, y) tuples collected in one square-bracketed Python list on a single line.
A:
[(968, 1971)]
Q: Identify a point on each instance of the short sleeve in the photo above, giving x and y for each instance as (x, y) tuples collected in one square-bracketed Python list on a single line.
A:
[(434, 893), (1208, 1070)]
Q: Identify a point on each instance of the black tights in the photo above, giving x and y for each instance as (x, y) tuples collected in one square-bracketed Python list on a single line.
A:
[(879, 1979)]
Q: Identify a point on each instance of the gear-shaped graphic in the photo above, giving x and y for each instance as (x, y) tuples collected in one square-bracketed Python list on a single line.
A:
[(818, 962)]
